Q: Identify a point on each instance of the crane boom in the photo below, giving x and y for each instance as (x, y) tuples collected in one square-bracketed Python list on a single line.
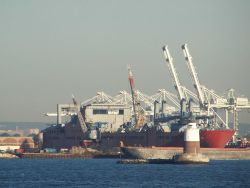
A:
[(169, 61), (79, 115), (193, 74), (139, 119)]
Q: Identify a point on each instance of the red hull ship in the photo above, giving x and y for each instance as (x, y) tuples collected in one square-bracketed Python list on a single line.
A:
[(157, 137), (68, 136), (149, 135), (215, 138), (208, 138)]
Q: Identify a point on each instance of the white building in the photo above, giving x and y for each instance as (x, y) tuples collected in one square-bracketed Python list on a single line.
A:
[(114, 115)]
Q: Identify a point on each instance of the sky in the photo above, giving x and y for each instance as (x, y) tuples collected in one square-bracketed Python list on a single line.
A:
[(51, 49)]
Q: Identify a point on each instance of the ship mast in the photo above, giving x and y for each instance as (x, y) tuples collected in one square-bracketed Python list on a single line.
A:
[(138, 112)]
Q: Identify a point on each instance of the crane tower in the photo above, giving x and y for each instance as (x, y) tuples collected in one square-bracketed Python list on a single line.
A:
[(138, 111), (177, 85)]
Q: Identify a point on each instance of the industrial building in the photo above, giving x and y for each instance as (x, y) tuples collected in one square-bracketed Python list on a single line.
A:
[(12, 143), (108, 118), (112, 115)]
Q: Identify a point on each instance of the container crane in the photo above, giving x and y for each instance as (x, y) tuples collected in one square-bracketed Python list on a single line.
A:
[(138, 111), (79, 115), (237, 104)]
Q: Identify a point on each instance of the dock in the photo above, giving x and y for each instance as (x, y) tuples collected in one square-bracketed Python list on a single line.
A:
[(66, 155)]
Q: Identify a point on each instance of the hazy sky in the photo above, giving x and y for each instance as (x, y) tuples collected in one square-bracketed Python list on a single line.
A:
[(50, 49)]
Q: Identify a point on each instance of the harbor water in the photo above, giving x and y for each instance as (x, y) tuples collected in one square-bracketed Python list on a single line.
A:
[(106, 173)]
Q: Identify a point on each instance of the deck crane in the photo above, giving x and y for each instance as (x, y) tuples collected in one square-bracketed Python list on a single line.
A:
[(210, 102), (182, 91), (177, 85), (79, 115), (207, 98), (203, 92), (194, 75), (138, 111)]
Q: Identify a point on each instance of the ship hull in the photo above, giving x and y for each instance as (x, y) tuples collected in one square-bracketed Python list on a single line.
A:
[(169, 152), (70, 136), (208, 138), (215, 138)]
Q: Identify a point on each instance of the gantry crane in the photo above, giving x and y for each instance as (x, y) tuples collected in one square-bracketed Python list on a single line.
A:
[(237, 104), (138, 111)]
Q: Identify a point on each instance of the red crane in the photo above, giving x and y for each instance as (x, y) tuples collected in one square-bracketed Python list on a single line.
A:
[(138, 111)]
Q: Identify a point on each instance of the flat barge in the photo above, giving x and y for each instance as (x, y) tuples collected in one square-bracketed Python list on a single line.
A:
[(66, 155), (169, 152)]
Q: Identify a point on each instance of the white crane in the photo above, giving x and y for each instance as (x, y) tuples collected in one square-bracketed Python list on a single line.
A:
[(204, 97), (163, 95), (194, 76), (237, 104), (177, 85), (207, 98), (100, 97)]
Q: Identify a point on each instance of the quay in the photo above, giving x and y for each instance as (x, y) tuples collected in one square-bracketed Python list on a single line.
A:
[(87, 155)]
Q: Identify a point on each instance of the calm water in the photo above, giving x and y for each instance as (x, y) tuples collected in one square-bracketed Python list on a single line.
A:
[(106, 173)]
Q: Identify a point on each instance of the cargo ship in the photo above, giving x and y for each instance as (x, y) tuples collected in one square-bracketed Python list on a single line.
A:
[(120, 129), (149, 135), (87, 127)]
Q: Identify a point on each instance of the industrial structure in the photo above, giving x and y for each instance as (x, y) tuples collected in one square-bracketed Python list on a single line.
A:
[(122, 99), (141, 119), (138, 110), (209, 103), (13, 143)]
